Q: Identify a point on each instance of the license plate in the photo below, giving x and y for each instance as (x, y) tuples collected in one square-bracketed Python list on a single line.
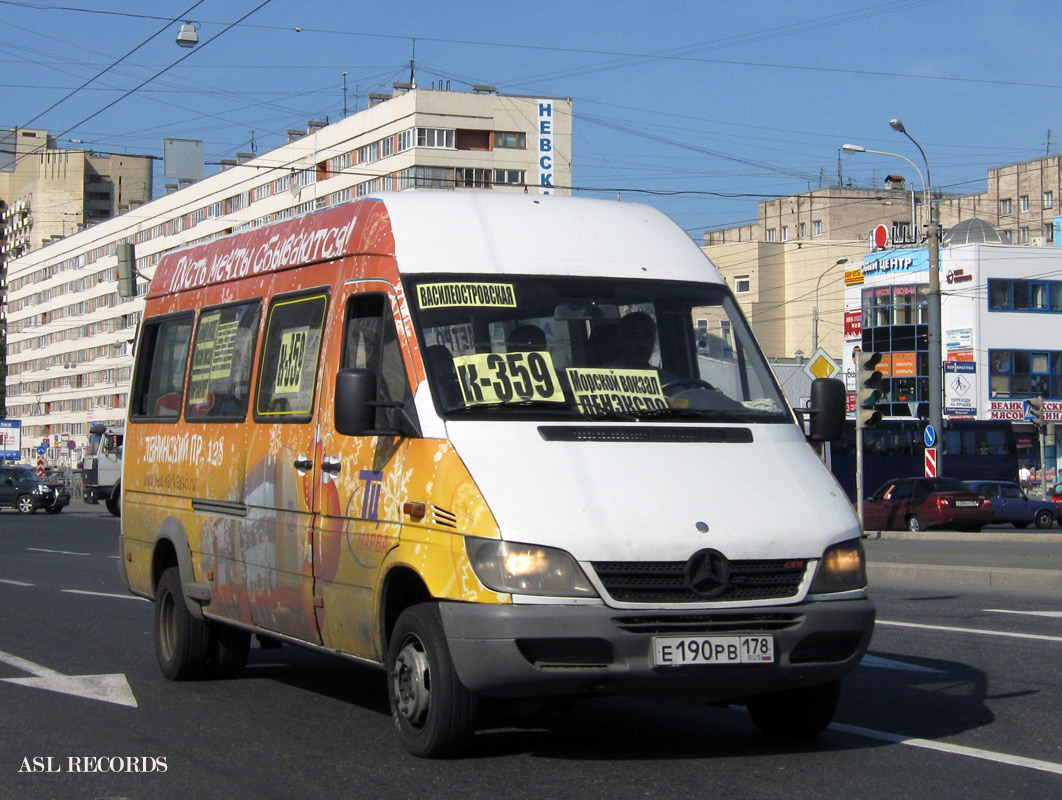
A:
[(966, 503), (675, 651)]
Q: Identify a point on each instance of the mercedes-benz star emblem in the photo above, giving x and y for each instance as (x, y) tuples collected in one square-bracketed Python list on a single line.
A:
[(707, 573)]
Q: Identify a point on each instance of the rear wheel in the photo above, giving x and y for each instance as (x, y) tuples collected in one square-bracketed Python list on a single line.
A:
[(432, 710), (796, 713), (1044, 518), (114, 502), (25, 504), (914, 524), (182, 642)]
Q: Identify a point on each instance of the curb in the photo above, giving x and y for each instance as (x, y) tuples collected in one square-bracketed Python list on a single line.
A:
[(1049, 580), (960, 536)]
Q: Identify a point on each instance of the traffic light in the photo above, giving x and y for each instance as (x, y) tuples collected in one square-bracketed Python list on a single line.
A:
[(1036, 410), (868, 389)]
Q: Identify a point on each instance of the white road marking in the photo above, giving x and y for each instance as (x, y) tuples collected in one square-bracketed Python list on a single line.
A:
[(16, 583), (60, 552), (1057, 614), (108, 688), (954, 749), (980, 631), (106, 594), (888, 663)]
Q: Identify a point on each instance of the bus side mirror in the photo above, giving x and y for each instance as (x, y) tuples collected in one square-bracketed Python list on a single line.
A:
[(355, 393), (827, 410)]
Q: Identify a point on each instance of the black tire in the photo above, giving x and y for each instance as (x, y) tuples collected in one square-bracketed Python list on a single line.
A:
[(182, 642), (914, 524), (54, 509), (25, 504), (229, 648), (1044, 518), (432, 710), (796, 713), (114, 502)]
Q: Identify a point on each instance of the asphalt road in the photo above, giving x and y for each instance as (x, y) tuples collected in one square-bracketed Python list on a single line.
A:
[(959, 698)]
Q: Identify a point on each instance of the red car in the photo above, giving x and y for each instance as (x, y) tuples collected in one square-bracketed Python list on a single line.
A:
[(918, 504)]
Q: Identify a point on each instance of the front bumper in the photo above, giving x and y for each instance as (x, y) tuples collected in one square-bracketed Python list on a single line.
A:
[(539, 651), (60, 500)]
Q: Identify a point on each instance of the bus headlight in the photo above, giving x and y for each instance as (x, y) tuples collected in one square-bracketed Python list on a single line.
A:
[(527, 569), (841, 569)]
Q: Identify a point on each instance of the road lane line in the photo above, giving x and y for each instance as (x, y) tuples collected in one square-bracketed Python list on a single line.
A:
[(1026, 613), (60, 552), (1039, 636), (106, 594), (954, 749), (16, 583)]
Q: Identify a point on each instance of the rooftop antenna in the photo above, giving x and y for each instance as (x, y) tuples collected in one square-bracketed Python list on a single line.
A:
[(1048, 150), (344, 94), (412, 67), (254, 144)]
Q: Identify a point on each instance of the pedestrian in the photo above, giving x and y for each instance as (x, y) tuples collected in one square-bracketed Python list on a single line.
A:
[(1025, 476)]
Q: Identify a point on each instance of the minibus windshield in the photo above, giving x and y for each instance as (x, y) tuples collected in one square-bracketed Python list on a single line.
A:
[(549, 347)]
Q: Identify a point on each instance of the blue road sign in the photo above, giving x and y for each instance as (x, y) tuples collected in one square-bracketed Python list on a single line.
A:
[(929, 435)]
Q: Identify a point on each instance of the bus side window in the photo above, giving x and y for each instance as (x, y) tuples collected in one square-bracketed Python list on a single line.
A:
[(370, 341), (161, 361), (287, 374)]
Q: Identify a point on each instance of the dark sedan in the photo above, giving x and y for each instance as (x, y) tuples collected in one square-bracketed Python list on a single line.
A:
[(1011, 504), (918, 504)]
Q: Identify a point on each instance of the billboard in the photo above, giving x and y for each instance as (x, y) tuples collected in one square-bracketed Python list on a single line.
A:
[(10, 439)]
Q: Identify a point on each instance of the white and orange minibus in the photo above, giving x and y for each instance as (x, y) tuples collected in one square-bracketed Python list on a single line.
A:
[(503, 446)]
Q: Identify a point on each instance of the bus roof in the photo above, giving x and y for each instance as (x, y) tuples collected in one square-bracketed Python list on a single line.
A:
[(456, 232)]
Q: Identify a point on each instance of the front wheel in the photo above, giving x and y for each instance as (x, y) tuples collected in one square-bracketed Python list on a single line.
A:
[(796, 713), (182, 642), (54, 509), (25, 504), (914, 524), (1044, 519), (432, 710)]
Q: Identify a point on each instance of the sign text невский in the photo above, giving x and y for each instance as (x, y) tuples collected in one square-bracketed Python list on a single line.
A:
[(545, 147)]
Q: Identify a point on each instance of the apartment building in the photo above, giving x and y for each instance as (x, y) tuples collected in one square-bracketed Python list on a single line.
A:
[(69, 334), (47, 192), (1020, 201)]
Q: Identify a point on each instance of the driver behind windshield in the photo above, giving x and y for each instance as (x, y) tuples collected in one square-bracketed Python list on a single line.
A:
[(636, 342)]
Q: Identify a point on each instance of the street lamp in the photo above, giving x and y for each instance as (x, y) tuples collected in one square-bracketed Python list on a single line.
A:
[(815, 310), (933, 294), (188, 35)]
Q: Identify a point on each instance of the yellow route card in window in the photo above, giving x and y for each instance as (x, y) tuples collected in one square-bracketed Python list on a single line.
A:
[(491, 378), (625, 391)]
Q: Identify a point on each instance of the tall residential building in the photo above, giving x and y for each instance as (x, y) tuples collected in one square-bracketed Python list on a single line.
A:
[(47, 192), (69, 334)]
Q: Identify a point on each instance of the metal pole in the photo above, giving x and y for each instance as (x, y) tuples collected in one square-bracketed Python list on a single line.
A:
[(936, 375), (1043, 460), (815, 327), (859, 468)]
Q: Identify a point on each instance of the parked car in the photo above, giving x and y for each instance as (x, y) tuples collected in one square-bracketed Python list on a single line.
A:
[(918, 504), (21, 489), (1011, 504)]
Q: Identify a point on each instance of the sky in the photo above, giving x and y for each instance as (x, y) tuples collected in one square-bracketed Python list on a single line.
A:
[(701, 109)]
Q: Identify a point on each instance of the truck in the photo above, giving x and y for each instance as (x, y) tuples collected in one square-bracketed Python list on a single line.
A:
[(102, 471)]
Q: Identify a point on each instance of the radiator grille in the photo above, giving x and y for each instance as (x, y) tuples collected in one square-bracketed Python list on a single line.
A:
[(665, 581)]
